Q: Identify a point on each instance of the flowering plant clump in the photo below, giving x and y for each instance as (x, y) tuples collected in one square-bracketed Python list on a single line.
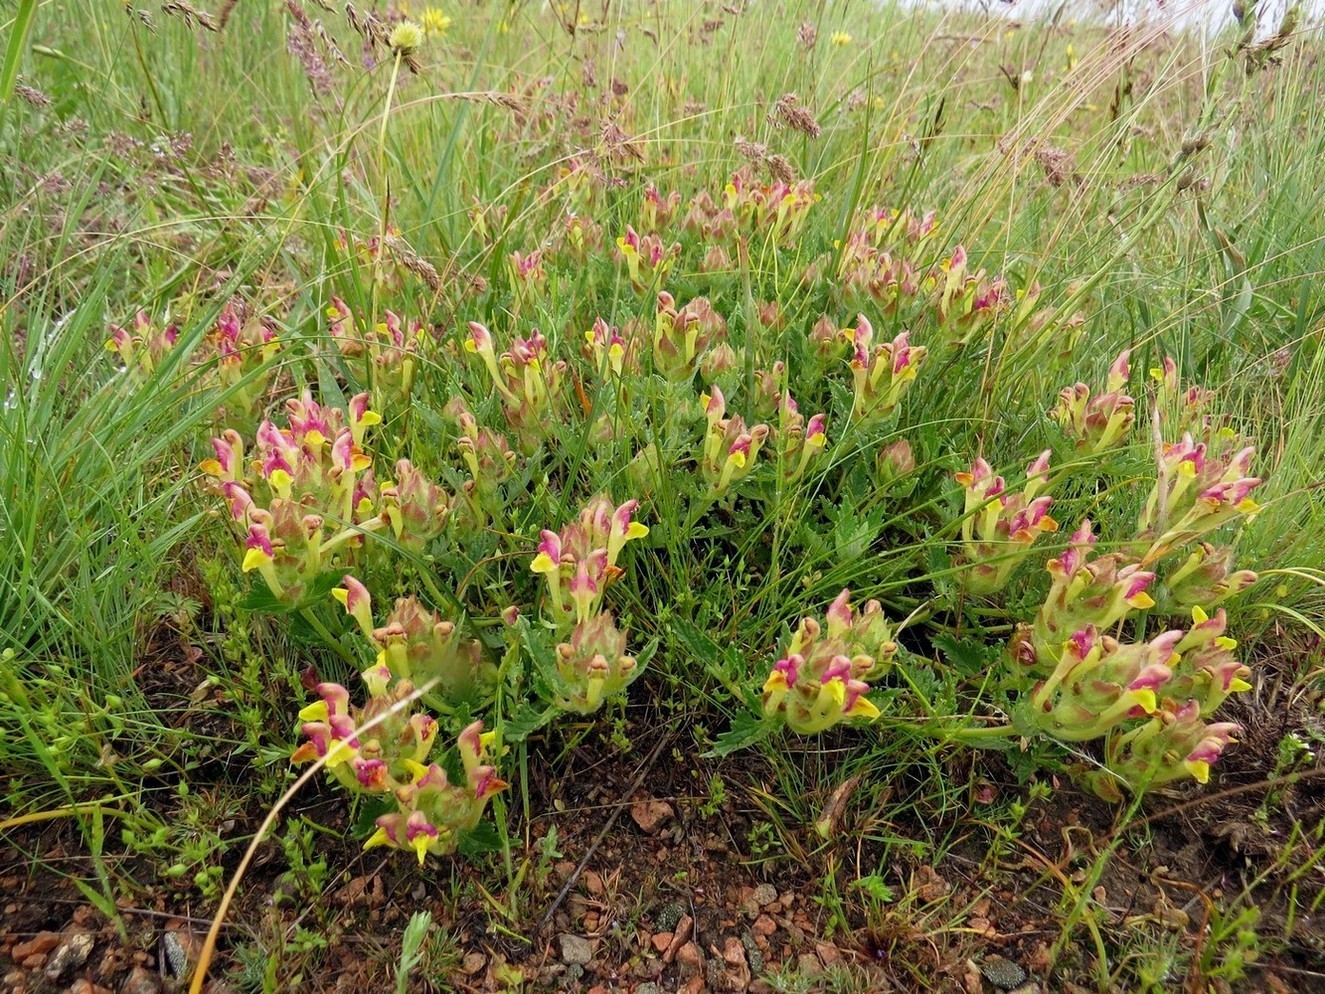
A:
[(647, 260), (730, 447), (433, 812), (390, 348), (490, 461), (970, 300), (1172, 744), (711, 389), (579, 562), (577, 565), (998, 528), (682, 335), (1101, 423), (308, 497), (237, 353), (593, 666), (801, 441), (380, 749), (1200, 488), (374, 761), (821, 679), (530, 382), (417, 645), (777, 209), (142, 347), (1085, 593), (881, 373), (1095, 686)]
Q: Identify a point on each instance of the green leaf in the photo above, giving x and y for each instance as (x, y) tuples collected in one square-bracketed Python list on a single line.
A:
[(18, 41), (969, 657), (260, 599), (747, 729), (371, 807), (525, 722), (482, 838)]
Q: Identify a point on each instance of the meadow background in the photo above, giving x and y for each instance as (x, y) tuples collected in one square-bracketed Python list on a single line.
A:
[(1162, 188)]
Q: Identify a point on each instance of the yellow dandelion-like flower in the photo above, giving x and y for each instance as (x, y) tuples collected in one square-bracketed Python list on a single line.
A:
[(434, 22), (405, 37), (840, 38)]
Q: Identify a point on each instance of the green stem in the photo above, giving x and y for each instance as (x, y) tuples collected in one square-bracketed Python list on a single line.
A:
[(332, 642), (382, 170)]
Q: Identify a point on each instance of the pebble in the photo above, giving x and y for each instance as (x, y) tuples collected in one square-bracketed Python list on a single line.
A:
[(808, 965), (828, 953), (679, 937), (1002, 972), (689, 960), (575, 949), (765, 894), (733, 972), (69, 954), (141, 981), (651, 815), (42, 942)]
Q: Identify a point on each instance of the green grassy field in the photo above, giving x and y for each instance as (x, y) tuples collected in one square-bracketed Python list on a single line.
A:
[(765, 295)]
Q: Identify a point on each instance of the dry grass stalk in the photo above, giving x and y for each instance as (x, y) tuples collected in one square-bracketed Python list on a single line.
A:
[(193, 17), (789, 112)]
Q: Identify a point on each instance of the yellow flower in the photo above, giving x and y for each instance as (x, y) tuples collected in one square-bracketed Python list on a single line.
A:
[(434, 22), (840, 38), (405, 37)]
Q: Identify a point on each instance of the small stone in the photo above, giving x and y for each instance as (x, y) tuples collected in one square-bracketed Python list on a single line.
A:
[(661, 941), (34, 962), (575, 949), (593, 882), (679, 937), (735, 975), (141, 981), (764, 925), (689, 960), (473, 963), (695, 985), (1002, 972), (764, 895), (649, 987), (42, 942), (931, 887), (1030, 987), (366, 891), (828, 953), (809, 966), (651, 815), (69, 954)]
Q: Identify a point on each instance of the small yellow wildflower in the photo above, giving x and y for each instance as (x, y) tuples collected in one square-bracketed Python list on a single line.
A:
[(405, 37), (840, 38), (434, 22)]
